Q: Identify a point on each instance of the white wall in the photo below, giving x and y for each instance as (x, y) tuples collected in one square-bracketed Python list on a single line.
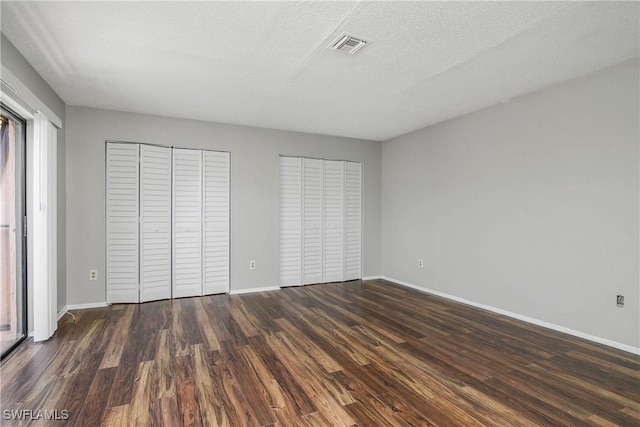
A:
[(254, 189), (530, 206)]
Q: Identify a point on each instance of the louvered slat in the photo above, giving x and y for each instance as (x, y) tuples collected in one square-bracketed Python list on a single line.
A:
[(334, 215), (187, 222), (353, 221), (155, 223), (216, 176), (122, 223), (290, 221), (312, 202)]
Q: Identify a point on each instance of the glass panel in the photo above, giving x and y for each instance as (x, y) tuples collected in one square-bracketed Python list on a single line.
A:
[(12, 242)]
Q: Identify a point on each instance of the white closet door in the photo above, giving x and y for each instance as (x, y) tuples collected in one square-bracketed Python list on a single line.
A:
[(334, 218), (290, 221), (216, 222), (312, 198), (122, 223), (187, 222), (353, 216), (155, 223)]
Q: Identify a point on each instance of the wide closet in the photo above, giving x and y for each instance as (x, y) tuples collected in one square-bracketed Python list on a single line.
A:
[(167, 222), (320, 221)]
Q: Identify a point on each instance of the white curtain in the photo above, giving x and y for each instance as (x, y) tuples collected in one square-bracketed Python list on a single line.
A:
[(44, 233)]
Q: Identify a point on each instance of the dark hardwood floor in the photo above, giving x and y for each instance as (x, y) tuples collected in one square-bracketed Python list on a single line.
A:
[(355, 353)]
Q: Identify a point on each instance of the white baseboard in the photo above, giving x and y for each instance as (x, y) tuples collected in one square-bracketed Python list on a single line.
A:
[(371, 278), (252, 290), (88, 305), (537, 322), (69, 307)]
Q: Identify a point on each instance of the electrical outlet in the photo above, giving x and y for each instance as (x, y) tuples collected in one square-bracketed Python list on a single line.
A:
[(421, 263), (252, 265), (620, 300), (93, 274)]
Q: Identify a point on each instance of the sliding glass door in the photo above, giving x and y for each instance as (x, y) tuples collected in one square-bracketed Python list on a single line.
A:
[(13, 302)]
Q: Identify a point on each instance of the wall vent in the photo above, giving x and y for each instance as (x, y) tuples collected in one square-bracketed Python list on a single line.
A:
[(348, 44)]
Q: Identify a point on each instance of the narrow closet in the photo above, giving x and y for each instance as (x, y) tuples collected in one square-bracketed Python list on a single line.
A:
[(320, 221), (167, 222)]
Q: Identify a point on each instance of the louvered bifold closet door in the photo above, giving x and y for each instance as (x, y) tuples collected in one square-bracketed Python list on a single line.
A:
[(312, 201), (155, 223), (334, 218), (290, 221), (216, 222), (353, 225), (122, 223), (187, 222)]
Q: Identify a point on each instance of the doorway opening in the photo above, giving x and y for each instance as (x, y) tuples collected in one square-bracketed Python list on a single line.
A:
[(13, 295)]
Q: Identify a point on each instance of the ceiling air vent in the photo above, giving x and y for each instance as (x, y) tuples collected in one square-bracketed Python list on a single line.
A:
[(348, 44)]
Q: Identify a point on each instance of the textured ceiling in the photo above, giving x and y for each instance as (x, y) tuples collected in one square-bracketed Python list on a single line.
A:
[(267, 64)]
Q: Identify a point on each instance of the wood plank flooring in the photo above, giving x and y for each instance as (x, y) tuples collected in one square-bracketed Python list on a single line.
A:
[(355, 353)]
